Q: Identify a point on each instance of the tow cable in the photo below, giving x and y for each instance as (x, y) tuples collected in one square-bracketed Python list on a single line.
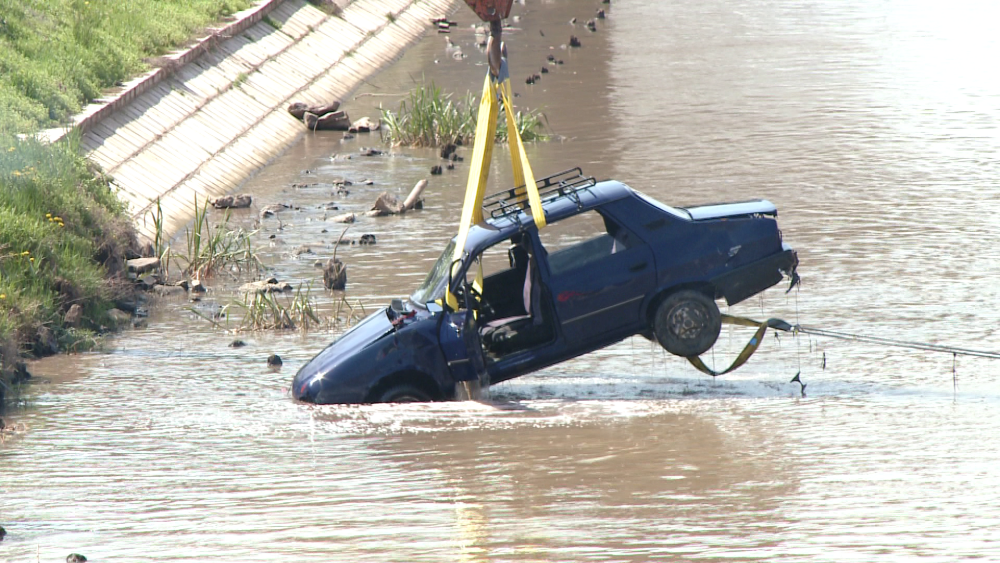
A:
[(784, 326)]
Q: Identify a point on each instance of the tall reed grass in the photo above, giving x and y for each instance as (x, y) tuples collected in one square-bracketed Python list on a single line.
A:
[(430, 117)]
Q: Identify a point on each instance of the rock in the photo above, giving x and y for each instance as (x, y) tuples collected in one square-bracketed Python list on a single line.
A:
[(183, 284), (530, 79), (73, 316), (347, 137), (318, 264), (240, 201), (168, 290), (272, 210), (302, 250), (299, 109), (591, 25), (75, 558), (367, 239), (21, 373), (147, 282), (369, 151), (365, 125), (266, 286), (335, 274), (197, 287), (600, 13), (2, 531), (574, 41), (450, 166), (119, 317), (46, 342), (436, 170), (455, 158), (333, 121), (551, 58), (237, 344), (143, 265), (343, 218), (447, 150), (274, 361), (545, 70), (386, 204)]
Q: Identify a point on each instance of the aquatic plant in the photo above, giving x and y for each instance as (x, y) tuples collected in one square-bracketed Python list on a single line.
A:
[(429, 117), (209, 249)]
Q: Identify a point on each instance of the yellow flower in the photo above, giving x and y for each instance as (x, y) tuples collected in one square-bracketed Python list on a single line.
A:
[(3, 296), (62, 225), (32, 259), (48, 215), (25, 253), (10, 149), (17, 172), (57, 218)]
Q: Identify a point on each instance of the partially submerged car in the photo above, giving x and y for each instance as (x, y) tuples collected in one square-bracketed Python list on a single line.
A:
[(612, 263)]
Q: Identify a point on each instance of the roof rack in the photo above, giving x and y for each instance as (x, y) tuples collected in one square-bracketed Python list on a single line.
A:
[(561, 184)]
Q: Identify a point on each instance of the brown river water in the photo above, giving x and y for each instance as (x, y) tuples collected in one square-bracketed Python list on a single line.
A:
[(873, 126)]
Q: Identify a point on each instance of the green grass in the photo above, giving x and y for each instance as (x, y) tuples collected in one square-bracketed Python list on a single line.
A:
[(213, 249), (56, 55), (63, 238), (429, 117)]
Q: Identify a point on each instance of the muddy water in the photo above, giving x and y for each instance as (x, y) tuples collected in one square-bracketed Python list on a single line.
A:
[(873, 127)]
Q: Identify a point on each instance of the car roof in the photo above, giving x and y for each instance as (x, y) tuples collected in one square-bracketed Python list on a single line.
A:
[(557, 207)]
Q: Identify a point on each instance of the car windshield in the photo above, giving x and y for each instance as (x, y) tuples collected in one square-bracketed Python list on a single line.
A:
[(433, 286)]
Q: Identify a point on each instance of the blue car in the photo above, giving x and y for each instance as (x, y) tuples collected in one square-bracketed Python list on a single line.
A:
[(612, 263)]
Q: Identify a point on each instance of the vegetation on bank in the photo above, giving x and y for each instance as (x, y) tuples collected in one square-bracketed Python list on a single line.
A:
[(429, 117), (55, 56), (64, 234)]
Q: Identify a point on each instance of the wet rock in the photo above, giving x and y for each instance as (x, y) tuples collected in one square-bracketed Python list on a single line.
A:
[(545, 70), (450, 166), (168, 290), (2, 531), (591, 25), (343, 218), (551, 58), (299, 109), (318, 264), (334, 121), (75, 558), (46, 342), (21, 373), (436, 170), (335, 274), (600, 13), (365, 125), (183, 284), (270, 285), (237, 344), (572, 21), (347, 137), (386, 204), (342, 191), (119, 317), (73, 316), (574, 41), (272, 210), (143, 265), (369, 151), (274, 361), (530, 79), (197, 287), (367, 239), (447, 150), (302, 250), (148, 282), (239, 201)]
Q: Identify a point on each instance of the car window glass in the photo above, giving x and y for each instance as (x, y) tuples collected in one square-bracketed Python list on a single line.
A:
[(582, 239)]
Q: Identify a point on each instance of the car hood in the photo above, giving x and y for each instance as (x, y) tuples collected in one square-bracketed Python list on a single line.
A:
[(359, 336)]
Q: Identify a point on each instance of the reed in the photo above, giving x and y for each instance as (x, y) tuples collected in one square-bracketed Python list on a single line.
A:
[(209, 250), (430, 117)]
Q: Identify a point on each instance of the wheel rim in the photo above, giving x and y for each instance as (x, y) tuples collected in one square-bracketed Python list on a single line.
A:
[(688, 320)]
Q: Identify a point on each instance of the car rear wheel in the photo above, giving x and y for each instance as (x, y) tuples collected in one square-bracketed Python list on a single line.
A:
[(687, 323), (404, 394)]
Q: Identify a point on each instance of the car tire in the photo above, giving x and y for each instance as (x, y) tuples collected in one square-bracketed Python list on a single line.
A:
[(687, 323), (404, 394)]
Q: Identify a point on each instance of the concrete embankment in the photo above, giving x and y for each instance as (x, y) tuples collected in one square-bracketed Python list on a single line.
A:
[(200, 126)]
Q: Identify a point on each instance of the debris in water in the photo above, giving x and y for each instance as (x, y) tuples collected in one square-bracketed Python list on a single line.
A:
[(798, 380)]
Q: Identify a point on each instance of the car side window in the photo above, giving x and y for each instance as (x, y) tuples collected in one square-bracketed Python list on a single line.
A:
[(582, 239)]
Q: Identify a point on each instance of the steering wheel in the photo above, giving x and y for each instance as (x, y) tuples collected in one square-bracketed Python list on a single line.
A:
[(484, 306)]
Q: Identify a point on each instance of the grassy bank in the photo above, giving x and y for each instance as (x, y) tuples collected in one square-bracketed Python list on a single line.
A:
[(430, 117), (56, 55), (64, 234)]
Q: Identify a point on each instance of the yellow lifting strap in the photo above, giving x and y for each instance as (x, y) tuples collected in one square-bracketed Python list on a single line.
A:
[(751, 346), (479, 171)]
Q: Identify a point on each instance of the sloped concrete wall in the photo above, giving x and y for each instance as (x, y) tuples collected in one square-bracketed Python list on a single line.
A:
[(203, 128)]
